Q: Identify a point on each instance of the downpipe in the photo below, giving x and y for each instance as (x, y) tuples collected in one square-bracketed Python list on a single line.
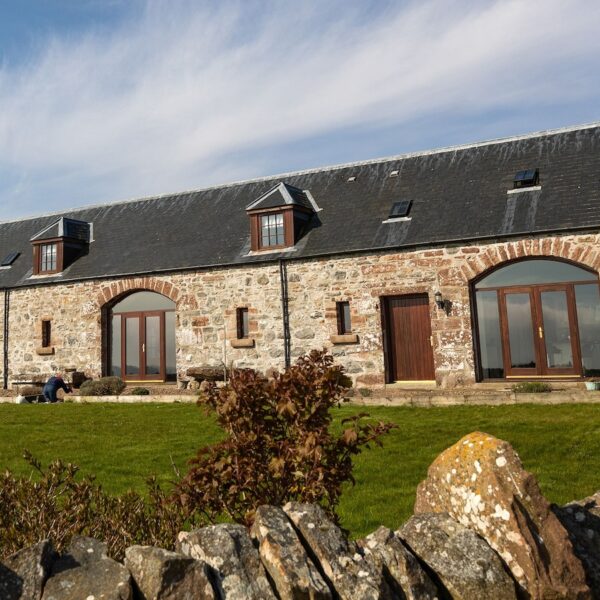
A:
[(283, 277), (5, 338)]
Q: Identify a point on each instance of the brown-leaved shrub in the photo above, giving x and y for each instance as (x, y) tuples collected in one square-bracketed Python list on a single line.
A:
[(57, 505), (279, 445)]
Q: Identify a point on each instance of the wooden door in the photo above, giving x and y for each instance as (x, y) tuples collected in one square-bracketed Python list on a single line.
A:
[(408, 335)]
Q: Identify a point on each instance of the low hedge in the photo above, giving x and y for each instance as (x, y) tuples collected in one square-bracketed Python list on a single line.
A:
[(105, 386)]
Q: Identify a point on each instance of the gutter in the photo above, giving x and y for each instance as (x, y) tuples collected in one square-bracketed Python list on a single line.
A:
[(5, 338)]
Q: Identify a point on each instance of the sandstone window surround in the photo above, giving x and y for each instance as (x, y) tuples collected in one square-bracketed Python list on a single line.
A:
[(46, 348), (344, 325), (243, 339)]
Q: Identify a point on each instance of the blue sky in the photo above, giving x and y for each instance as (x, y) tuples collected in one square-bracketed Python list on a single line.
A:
[(104, 100)]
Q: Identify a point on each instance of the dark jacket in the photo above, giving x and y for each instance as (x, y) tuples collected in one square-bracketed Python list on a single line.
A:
[(54, 384)]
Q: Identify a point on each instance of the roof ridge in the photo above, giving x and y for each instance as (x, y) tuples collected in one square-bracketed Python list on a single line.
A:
[(403, 156)]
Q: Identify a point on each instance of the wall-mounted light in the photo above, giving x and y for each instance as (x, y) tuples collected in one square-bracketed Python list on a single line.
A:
[(439, 300)]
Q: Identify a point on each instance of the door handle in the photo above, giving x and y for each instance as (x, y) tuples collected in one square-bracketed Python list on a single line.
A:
[(541, 333), (144, 348)]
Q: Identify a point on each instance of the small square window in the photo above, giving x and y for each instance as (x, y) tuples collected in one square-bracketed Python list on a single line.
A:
[(48, 258), (527, 178), (400, 209), (271, 230), (46, 334), (243, 330), (344, 322)]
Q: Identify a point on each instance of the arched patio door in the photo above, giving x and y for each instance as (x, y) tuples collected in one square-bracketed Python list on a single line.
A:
[(538, 318), (143, 338)]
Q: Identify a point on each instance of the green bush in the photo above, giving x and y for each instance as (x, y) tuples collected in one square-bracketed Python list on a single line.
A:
[(57, 506), (279, 443), (531, 387), (105, 386), (140, 391)]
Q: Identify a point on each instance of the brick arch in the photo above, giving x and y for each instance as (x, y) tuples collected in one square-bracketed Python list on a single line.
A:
[(580, 253), (112, 291)]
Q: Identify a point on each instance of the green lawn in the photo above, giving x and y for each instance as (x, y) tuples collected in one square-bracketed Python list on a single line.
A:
[(123, 444)]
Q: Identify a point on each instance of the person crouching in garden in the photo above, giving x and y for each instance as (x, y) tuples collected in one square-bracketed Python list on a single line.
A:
[(52, 386)]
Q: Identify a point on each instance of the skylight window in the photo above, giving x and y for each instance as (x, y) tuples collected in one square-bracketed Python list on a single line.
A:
[(400, 209), (9, 259), (526, 178)]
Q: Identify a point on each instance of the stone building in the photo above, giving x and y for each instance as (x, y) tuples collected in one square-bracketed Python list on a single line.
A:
[(464, 264)]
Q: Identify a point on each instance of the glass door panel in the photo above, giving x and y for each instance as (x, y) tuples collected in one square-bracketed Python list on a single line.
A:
[(132, 346), (116, 347), (152, 346), (556, 329), (587, 299), (170, 348), (521, 341)]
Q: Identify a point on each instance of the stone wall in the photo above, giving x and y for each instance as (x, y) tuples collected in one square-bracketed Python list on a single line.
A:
[(481, 530), (206, 303)]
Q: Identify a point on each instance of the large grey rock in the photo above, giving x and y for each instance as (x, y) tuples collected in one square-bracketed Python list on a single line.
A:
[(581, 519), (163, 575), (481, 483), (293, 573), (23, 574), (407, 577), (352, 575), (103, 579), (467, 567), (234, 561)]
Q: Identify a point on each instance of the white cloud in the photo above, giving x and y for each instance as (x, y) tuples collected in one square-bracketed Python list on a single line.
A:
[(187, 96)]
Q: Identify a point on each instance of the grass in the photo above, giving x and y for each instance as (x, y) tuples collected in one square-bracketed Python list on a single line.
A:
[(122, 444)]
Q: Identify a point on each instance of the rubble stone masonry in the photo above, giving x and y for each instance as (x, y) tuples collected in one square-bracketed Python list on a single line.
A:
[(207, 301)]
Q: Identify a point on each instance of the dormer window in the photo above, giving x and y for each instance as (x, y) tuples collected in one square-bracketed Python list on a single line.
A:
[(279, 218), (57, 246)]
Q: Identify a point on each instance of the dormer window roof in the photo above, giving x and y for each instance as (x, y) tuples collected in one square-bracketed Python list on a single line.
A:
[(59, 244), (65, 228), (280, 217)]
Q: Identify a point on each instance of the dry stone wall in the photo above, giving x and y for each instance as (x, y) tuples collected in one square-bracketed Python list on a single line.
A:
[(296, 552), (207, 300)]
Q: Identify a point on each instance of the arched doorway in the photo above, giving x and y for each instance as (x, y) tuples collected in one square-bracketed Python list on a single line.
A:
[(538, 318), (142, 338)]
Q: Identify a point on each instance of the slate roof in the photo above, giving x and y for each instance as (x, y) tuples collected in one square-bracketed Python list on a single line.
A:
[(458, 194)]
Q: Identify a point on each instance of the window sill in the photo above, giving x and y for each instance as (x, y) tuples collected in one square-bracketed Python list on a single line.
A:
[(242, 343), (44, 351), (531, 188), (272, 251), (348, 338)]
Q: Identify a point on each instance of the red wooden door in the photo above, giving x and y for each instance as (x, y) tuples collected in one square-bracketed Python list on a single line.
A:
[(410, 353)]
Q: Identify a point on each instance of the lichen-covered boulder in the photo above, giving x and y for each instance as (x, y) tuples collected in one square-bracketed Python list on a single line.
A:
[(103, 579), (467, 567), (350, 573), (163, 575), (482, 484), (80, 551), (407, 577), (23, 574), (581, 519), (283, 555), (234, 561)]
